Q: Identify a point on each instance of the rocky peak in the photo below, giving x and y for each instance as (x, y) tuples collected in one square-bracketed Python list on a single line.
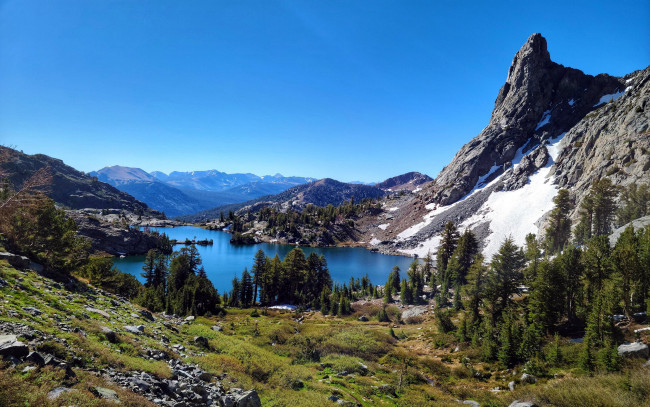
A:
[(540, 99)]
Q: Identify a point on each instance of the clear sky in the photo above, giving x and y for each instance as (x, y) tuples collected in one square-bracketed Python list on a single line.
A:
[(347, 89)]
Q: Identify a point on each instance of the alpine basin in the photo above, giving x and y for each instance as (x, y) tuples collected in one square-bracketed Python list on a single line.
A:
[(223, 261)]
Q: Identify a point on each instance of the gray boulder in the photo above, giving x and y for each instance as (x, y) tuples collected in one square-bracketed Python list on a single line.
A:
[(110, 335), (134, 329), (19, 262), (11, 347), (248, 399), (147, 315), (634, 349), (54, 394), (35, 358), (528, 378), (518, 403), (104, 393)]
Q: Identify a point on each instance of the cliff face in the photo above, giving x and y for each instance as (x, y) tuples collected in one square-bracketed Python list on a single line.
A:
[(552, 127), (613, 141), (539, 100)]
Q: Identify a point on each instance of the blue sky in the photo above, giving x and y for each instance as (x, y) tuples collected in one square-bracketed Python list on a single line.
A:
[(347, 89)]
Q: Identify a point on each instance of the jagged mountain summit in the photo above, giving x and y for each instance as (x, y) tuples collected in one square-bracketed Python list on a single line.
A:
[(551, 127), (540, 99)]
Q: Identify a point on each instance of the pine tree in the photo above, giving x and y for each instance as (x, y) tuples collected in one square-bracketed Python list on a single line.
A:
[(586, 357), (635, 201), (148, 267), (626, 261), (558, 232), (462, 258), (246, 289), (259, 270), (325, 301), (448, 242), (476, 286), (388, 293), (405, 293), (506, 275), (554, 356)]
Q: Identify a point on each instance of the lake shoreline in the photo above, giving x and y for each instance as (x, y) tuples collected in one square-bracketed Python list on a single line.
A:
[(223, 261)]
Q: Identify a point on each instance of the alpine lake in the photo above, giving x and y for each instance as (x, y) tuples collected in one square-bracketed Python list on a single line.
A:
[(223, 261)]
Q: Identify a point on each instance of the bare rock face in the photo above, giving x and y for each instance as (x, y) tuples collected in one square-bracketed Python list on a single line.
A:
[(613, 141), (113, 238), (540, 99), (528, 165)]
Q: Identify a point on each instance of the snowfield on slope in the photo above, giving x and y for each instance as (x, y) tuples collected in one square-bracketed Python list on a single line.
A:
[(510, 213)]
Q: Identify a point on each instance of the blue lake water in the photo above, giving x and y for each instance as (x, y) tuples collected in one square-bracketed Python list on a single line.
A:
[(223, 261)]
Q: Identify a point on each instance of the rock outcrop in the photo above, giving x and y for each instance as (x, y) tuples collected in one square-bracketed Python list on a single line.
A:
[(613, 141), (409, 182), (540, 99), (112, 238)]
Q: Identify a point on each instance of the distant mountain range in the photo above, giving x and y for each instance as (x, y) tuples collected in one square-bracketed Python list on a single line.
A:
[(320, 193), (182, 193)]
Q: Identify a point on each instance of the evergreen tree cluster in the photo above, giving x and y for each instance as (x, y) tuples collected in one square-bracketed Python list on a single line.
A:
[(178, 284), (296, 279), (309, 224), (584, 286)]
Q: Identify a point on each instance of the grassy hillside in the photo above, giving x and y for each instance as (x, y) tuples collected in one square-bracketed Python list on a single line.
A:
[(296, 359)]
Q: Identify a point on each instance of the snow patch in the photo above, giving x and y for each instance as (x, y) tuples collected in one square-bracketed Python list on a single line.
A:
[(628, 88), (609, 98), (393, 209), (481, 180), (286, 307), (416, 190), (629, 80), (503, 209), (430, 245), (572, 102), (383, 226), (375, 241), (546, 117)]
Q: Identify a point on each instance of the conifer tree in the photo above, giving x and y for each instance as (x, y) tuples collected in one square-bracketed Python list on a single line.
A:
[(475, 288), (558, 231), (246, 289), (626, 261), (259, 270), (405, 293), (506, 275), (449, 240), (462, 258)]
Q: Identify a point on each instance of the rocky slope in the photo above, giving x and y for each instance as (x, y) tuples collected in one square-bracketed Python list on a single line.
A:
[(409, 182), (84, 346), (103, 213), (68, 187), (552, 127)]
